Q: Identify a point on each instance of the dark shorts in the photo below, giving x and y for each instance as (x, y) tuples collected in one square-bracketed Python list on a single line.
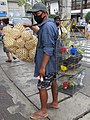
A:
[(47, 81), (6, 50)]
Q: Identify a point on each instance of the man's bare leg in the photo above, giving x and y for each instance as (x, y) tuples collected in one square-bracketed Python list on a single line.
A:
[(8, 55), (43, 99), (43, 110), (13, 56), (54, 103), (9, 58)]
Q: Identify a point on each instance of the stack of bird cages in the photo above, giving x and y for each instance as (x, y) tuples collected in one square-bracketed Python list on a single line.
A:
[(70, 73)]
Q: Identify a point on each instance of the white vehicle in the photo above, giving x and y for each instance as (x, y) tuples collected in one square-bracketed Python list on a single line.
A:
[(15, 21)]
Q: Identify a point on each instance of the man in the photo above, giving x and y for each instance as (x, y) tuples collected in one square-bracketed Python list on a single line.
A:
[(60, 26), (45, 58), (57, 21)]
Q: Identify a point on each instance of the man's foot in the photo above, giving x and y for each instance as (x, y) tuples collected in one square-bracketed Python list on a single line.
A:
[(38, 115), (8, 60), (14, 58), (51, 105)]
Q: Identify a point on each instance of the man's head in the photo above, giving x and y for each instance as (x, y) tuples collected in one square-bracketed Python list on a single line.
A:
[(57, 20), (39, 11)]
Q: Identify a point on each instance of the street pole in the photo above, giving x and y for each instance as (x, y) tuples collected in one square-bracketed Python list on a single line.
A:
[(81, 9), (66, 14), (33, 21), (60, 8)]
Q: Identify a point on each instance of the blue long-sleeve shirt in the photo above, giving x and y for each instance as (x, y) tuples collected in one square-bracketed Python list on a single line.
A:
[(47, 37)]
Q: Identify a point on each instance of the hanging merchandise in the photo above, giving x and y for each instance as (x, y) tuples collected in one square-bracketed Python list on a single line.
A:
[(21, 42), (71, 73)]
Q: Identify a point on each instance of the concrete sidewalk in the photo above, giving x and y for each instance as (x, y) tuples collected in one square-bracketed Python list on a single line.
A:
[(19, 95)]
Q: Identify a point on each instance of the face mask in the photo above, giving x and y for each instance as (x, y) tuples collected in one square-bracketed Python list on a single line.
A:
[(38, 19)]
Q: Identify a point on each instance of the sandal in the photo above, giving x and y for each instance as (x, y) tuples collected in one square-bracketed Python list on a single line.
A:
[(50, 105), (14, 58), (38, 115), (8, 60)]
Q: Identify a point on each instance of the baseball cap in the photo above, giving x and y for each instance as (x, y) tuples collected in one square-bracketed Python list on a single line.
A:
[(57, 17), (38, 7)]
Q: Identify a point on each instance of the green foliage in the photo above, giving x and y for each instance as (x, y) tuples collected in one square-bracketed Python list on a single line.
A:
[(21, 2), (27, 7), (87, 17), (52, 16), (43, 1)]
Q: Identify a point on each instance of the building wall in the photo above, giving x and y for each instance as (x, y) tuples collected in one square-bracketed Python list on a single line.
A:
[(76, 4), (14, 10), (54, 8), (11, 9), (61, 7), (3, 8), (70, 9), (76, 7)]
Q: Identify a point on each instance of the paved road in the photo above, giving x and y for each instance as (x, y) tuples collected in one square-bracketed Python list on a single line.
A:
[(19, 95), (86, 46)]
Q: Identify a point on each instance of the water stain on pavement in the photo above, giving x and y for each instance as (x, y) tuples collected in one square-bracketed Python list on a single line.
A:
[(8, 110)]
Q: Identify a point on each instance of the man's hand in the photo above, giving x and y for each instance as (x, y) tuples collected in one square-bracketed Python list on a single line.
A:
[(34, 27), (42, 72), (26, 25)]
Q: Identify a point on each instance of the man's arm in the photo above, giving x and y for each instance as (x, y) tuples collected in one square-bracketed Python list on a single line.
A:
[(43, 65), (34, 28)]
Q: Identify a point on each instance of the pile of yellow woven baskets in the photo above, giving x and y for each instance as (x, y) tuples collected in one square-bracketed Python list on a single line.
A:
[(21, 42)]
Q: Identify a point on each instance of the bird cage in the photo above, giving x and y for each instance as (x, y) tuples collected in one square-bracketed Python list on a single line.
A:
[(70, 73)]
